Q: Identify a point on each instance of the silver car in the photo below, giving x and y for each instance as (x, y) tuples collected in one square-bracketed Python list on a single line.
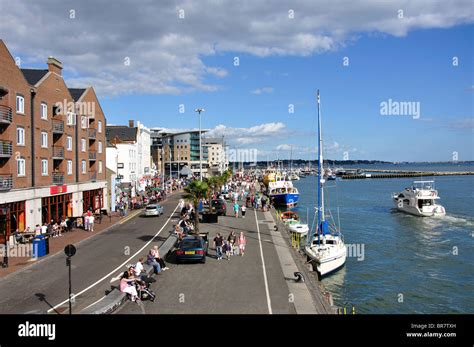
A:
[(153, 210)]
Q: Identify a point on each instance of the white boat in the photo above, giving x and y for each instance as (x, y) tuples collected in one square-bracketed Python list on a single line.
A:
[(325, 249), (419, 200), (299, 228), (294, 177)]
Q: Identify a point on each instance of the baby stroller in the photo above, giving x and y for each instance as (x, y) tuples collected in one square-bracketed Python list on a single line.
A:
[(144, 292)]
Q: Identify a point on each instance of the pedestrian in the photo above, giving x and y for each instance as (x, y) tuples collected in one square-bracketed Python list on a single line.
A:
[(236, 209), (244, 209), (150, 260), (91, 222), (218, 242), (160, 260), (227, 249), (242, 243)]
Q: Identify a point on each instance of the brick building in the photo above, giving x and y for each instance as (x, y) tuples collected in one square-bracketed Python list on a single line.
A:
[(52, 146)]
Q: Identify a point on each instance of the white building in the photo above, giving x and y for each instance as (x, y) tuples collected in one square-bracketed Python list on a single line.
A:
[(216, 155), (130, 145)]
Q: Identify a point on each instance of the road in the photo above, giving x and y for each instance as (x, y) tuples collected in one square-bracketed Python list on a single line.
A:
[(42, 286), (241, 285)]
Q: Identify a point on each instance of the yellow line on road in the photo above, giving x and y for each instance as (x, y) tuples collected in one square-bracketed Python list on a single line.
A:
[(126, 219)]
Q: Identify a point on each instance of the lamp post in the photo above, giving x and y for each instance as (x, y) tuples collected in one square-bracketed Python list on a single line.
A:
[(199, 110)]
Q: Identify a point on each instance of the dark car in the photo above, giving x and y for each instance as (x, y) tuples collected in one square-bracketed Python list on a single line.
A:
[(219, 206), (192, 248)]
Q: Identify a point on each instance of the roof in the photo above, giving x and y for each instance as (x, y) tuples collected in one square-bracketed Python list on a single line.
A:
[(122, 132), (76, 93), (34, 75)]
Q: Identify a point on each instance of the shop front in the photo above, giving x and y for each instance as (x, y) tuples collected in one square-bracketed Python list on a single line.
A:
[(93, 199), (12, 217), (56, 207)]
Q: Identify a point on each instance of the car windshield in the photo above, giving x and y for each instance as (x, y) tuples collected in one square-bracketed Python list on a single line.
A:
[(190, 244)]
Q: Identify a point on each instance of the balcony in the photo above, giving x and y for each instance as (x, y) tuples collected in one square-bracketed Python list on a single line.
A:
[(6, 182), (5, 115), (92, 155), (58, 178), (6, 149), (58, 126), (58, 152), (93, 175), (92, 133)]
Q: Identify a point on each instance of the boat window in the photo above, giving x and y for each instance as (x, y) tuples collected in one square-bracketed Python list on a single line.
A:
[(406, 202)]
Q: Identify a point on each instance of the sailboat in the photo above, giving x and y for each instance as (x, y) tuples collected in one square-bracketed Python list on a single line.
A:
[(325, 249)]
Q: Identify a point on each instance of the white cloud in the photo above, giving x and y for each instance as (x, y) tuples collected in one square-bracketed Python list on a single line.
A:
[(257, 134), (167, 53), (284, 147), (264, 90)]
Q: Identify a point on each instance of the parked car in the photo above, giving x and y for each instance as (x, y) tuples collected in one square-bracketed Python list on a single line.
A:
[(225, 195), (153, 210), (219, 206), (192, 248)]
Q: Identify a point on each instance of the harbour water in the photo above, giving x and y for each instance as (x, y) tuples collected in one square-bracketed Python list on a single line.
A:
[(409, 264)]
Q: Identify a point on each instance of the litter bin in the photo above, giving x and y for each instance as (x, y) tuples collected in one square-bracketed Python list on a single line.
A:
[(39, 246)]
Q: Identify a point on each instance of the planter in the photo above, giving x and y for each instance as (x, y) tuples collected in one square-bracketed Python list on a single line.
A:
[(209, 218)]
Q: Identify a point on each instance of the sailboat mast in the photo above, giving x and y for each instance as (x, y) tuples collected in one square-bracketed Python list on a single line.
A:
[(320, 172)]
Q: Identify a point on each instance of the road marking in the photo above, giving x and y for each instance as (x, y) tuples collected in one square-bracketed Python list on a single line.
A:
[(126, 219), (95, 302), (118, 267), (269, 302)]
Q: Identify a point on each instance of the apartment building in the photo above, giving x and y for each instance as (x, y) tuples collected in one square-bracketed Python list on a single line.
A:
[(182, 150), (52, 160), (217, 158)]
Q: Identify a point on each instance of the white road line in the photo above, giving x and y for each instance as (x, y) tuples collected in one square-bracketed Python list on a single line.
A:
[(267, 291), (95, 302), (118, 267)]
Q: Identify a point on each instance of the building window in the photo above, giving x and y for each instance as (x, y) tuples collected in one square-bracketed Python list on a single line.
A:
[(20, 104), (44, 139), (69, 143), (21, 167), (44, 167), (100, 147), (84, 122), (20, 136), (84, 167), (100, 166), (71, 118), (99, 126), (83, 145), (44, 111), (69, 167)]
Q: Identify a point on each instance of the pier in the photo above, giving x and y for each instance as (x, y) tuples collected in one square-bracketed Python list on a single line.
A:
[(402, 173)]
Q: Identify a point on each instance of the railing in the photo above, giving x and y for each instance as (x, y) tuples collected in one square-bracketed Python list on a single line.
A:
[(92, 155), (6, 149), (5, 114), (92, 133), (58, 126), (58, 178), (6, 182), (58, 152)]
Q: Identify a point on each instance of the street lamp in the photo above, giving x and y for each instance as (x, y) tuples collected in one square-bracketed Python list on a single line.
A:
[(199, 110)]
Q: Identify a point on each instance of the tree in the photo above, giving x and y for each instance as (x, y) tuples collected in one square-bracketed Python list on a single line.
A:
[(195, 192)]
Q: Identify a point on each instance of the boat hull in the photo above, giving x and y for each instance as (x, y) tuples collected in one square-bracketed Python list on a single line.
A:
[(328, 263), (287, 199)]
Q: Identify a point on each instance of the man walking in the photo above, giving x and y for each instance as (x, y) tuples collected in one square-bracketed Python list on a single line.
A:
[(218, 242)]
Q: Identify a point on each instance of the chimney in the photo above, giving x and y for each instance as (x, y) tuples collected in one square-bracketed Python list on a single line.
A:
[(131, 123), (55, 65)]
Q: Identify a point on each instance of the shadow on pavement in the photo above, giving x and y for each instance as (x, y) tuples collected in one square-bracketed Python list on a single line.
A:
[(41, 297)]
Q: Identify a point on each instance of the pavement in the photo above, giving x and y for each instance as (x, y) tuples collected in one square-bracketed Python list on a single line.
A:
[(260, 282), (42, 287)]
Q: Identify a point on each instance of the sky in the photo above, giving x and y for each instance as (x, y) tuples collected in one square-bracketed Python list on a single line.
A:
[(395, 77)]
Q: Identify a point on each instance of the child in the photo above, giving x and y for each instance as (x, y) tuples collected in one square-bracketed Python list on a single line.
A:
[(243, 211)]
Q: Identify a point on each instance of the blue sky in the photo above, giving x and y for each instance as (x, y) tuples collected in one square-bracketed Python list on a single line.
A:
[(249, 103)]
